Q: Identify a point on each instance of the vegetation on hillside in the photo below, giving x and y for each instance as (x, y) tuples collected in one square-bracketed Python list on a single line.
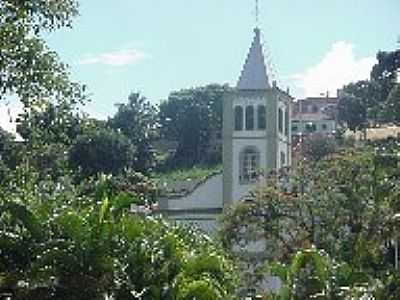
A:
[(196, 173)]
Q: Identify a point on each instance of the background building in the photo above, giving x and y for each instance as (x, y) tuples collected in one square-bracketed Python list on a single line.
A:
[(314, 115)]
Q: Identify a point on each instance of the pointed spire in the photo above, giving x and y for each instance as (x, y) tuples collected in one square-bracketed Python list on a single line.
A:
[(254, 74)]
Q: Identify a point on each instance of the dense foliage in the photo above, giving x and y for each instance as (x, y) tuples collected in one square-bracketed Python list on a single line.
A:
[(137, 120), (61, 241), (28, 68), (193, 118), (374, 100), (101, 151), (318, 146), (343, 205), (329, 230), (67, 232)]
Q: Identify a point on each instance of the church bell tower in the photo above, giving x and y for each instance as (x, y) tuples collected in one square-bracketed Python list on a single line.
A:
[(256, 127)]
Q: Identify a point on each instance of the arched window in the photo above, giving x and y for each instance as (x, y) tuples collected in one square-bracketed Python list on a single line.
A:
[(283, 159), (261, 117), (249, 165), (280, 120), (249, 117), (238, 118)]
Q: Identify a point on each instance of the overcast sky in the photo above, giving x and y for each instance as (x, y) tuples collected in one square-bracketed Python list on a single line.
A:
[(158, 46)]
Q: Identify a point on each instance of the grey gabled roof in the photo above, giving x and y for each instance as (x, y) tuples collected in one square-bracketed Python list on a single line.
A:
[(254, 73)]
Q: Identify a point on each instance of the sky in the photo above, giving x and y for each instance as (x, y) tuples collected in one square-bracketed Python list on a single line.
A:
[(155, 47)]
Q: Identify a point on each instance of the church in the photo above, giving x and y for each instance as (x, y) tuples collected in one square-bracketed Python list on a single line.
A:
[(256, 140)]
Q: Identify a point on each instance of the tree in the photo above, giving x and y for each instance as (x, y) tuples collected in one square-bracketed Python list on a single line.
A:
[(7, 148), (60, 244), (33, 73), (390, 288), (48, 123), (369, 99), (386, 73), (28, 68), (392, 110), (137, 120), (354, 104), (386, 70), (191, 117), (342, 205), (48, 130), (317, 147), (306, 276), (102, 150)]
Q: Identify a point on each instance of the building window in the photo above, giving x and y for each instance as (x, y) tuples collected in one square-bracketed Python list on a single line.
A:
[(249, 165), (294, 128), (261, 117), (283, 159), (324, 127), (238, 118), (286, 122), (280, 120), (311, 127), (314, 109), (249, 117), (304, 107)]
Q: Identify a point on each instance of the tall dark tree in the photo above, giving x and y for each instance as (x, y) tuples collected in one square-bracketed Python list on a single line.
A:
[(6, 140), (137, 120), (102, 150), (352, 109), (6, 152), (386, 70), (368, 100), (190, 117), (393, 104)]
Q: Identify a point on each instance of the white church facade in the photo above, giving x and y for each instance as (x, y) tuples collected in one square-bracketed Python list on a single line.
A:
[(256, 140), (256, 127)]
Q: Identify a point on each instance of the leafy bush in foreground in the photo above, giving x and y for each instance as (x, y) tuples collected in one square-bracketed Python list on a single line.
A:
[(56, 244)]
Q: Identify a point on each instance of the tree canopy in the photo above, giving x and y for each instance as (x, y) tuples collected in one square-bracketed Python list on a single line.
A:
[(101, 151), (372, 100), (343, 205), (137, 120), (192, 117), (63, 241), (28, 68)]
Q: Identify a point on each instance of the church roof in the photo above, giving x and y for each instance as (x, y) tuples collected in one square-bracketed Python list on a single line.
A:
[(254, 73)]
